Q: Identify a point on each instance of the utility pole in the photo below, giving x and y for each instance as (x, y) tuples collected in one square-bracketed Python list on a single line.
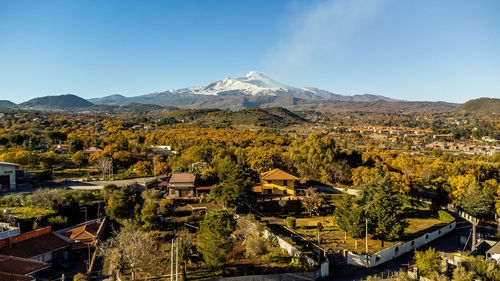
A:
[(366, 241), (473, 235), (177, 260), (172, 262), (319, 249)]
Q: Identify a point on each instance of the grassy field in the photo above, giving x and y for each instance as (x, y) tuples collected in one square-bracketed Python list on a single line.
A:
[(29, 212), (418, 222)]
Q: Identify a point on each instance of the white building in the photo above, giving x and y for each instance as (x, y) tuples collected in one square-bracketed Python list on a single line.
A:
[(6, 230), (8, 176), (494, 253)]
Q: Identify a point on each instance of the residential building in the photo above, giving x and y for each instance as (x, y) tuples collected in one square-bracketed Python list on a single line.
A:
[(20, 269), (40, 245), (84, 238), (92, 150), (277, 182), (8, 176), (182, 185)]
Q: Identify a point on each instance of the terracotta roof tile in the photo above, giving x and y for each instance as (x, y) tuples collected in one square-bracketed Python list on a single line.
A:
[(182, 178), (16, 265), (15, 277), (34, 246), (278, 174)]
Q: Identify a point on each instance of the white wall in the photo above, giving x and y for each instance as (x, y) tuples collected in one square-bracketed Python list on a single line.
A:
[(291, 250), (11, 171), (398, 249)]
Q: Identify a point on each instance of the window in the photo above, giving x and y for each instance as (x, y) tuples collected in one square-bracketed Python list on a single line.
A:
[(412, 243), (285, 182), (427, 236), (377, 258)]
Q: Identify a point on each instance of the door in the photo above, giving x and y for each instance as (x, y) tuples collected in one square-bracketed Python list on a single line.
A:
[(5, 182)]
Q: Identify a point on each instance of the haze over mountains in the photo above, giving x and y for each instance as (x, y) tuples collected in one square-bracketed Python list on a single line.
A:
[(253, 90)]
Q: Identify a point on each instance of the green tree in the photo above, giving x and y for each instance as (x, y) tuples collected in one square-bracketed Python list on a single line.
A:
[(383, 207), (427, 262), (235, 187), (78, 158), (477, 268), (149, 216), (187, 252), (76, 144), (121, 203), (350, 217), (475, 201), (314, 157), (214, 237)]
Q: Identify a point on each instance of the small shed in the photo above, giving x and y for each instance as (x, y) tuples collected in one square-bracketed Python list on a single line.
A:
[(8, 176)]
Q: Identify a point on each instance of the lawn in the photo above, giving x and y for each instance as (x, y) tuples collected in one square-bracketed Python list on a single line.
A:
[(29, 212), (418, 221)]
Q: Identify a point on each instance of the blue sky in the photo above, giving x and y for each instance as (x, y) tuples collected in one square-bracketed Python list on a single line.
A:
[(416, 50)]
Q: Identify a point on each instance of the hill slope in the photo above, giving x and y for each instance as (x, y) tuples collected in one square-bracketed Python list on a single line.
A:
[(7, 104), (480, 106), (261, 117), (62, 102)]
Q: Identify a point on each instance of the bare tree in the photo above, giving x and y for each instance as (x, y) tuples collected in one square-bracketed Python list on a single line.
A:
[(133, 249), (312, 200), (103, 165)]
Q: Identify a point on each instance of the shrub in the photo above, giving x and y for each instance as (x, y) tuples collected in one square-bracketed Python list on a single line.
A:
[(12, 200), (291, 222), (57, 222), (275, 257), (428, 261), (255, 246), (80, 277)]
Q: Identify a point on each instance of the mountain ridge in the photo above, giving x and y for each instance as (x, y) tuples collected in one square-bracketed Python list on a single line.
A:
[(252, 84)]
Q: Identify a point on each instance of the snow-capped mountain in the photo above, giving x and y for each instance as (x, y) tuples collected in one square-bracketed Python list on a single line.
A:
[(253, 83)]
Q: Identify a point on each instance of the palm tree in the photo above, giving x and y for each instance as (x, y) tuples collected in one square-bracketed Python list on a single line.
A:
[(187, 254)]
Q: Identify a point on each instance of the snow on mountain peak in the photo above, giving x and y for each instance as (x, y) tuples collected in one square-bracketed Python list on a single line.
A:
[(261, 80)]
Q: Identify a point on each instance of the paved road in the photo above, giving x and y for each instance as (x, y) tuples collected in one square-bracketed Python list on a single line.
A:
[(449, 243)]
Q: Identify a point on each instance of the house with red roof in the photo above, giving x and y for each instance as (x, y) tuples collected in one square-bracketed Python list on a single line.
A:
[(40, 245), (20, 269), (182, 185)]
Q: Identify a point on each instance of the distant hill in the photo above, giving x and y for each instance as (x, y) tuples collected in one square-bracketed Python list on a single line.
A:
[(112, 100), (7, 104), (62, 102), (375, 106), (135, 108), (260, 117), (480, 106)]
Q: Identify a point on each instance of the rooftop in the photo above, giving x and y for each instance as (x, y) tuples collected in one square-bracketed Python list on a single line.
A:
[(9, 164), (17, 265), (182, 178), (34, 246), (278, 174)]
